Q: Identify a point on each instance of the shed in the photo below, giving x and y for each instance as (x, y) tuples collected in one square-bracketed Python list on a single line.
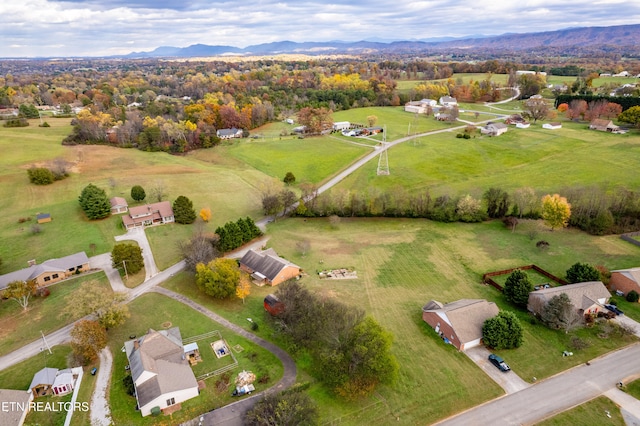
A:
[(43, 217), (273, 305)]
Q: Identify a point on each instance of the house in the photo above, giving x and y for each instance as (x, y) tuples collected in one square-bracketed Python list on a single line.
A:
[(420, 107), (49, 271), (526, 72), (552, 126), (448, 101), (622, 74), (588, 298), (603, 125), (341, 125), (371, 130), (161, 374), (494, 129), (51, 381), (16, 406), (229, 133), (514, 119), (625, 280), (118, 205), (524, 125), (460, 322), (266, 267), (43, 217), (148, 215)]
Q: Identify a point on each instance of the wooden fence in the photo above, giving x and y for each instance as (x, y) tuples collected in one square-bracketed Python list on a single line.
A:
[(486, 278), (628, 238)]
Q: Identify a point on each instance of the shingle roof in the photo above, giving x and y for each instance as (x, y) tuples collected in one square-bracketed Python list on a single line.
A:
[(581, 295), (267, 262), (118, 202), (46, 376), (51, 265), (631, 273), (12, 416), (465, 316), (162, 354)]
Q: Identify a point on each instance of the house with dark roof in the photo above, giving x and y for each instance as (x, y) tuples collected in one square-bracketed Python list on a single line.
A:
[(49, 271), (266, 267), (459, 323), (587, 298), (43, 217), (625, 280), (161, 374), (118, 205), (148, 215), (229, 133)]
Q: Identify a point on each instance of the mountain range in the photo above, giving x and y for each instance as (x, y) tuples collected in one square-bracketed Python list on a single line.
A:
[(589, 38)]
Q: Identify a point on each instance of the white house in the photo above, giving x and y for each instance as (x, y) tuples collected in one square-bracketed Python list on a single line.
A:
[(524, 125), (448, 101), (229, 133), (552, 126), (160, 371), (341, 125)]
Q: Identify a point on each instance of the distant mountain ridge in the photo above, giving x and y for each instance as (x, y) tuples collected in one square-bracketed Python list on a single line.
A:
[(588, 37)]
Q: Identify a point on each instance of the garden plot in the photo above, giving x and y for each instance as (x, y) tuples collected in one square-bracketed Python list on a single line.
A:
[(338, 274)]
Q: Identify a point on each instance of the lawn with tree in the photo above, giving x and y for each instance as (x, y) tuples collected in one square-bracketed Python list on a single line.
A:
[(503, 331), (219, 278), (137, 193), (183, 210), (582, 272), (128, 256), (517, 288), (94, 202)]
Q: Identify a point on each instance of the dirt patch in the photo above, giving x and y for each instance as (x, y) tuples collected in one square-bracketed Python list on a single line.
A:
[(166, 324)]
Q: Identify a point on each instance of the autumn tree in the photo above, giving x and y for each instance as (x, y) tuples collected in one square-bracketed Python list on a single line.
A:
[(556, 211), (468, 209), (205, 214), (88, 338), (128, 256), (138, 193), (503, 331), (94, 202), (20, 291), (287, 408), (109, 307), (315, 120), (219, 278), (517, 288), (631, 116), (535, 108), (372, 120), (183, 210), (244, 287)]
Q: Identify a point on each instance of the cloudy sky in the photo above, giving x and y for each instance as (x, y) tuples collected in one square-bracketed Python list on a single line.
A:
[(30, 28)]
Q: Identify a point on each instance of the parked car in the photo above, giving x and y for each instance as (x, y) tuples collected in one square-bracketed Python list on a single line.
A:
[(499, 363), (614, 309), (243, 390)]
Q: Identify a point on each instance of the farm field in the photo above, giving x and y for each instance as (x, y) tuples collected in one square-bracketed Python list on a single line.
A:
[(403, 264), (543, 159)]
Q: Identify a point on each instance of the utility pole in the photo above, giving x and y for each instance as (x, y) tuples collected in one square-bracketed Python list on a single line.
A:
[(124, 263)]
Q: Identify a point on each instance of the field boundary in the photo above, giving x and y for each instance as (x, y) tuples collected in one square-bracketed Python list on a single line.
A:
[(627, 237), (486, 278)]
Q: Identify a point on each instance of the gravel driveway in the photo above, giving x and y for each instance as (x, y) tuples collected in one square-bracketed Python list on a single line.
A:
[(100, 413)]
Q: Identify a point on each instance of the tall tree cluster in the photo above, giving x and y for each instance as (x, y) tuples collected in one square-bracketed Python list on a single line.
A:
[(94, 202)]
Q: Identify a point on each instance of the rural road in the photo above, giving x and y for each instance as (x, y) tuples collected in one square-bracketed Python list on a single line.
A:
[(556, 394)]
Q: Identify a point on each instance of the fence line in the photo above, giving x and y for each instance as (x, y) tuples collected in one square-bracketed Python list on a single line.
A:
[(627, 238), (486, 278)]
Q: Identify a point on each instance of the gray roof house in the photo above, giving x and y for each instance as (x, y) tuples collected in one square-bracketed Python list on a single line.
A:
[(49, 271), (18, 404), (459, 323), (266, 267), (494, 129), (229, 133), (588, 297), (160, 371)]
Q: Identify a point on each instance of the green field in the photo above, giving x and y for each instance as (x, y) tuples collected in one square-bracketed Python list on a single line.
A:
[(18, 327), (401, 265), (592, 413), (543, 159)]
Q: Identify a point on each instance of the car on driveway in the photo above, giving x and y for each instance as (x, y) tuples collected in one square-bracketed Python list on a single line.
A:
[(499, 363), (614, 309)]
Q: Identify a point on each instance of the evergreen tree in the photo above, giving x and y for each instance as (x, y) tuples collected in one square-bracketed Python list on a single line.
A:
[(582, 272), (94, 202), (517, 288), (245, 229), (503, 331), (138, 193), (234, 234), (183, 210), (255, 231)]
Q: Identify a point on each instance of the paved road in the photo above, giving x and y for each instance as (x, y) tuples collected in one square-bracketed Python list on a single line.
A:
[(556, 394), (232, 415)]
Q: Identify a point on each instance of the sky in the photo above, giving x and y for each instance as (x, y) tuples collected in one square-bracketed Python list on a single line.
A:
[(36, 28)]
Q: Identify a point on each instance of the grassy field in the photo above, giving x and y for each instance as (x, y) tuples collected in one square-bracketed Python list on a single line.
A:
[(533, 157), (210, 178), (633, 388), (159, 312), (402, 264), (18, 327), (592, 413)]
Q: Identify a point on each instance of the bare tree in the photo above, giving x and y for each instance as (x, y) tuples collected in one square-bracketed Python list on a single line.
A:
[(303, 247), (159, 190), (200, 248)]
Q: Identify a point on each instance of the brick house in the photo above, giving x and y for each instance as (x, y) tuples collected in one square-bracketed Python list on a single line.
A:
[(588, 298), (49, 271), (148, 215), (625, 280), (266, 267)]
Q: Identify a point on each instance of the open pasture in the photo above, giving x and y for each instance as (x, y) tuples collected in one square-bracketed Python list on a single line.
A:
[(547, 160)]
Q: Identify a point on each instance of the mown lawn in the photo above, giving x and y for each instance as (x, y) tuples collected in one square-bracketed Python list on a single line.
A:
[(19, 327), (592, 413), (19, 376), (159, 312), (546, 160)]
